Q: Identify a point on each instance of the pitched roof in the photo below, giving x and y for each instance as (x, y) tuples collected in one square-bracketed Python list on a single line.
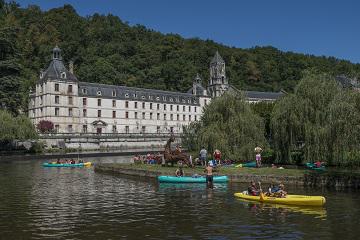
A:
[(217, 58), (55, 70), (263, 95)]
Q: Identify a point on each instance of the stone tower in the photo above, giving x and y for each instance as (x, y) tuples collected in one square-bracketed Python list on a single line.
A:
[(218, 83)]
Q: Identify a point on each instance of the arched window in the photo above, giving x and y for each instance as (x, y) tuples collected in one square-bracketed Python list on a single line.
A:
[(63, 75), (98, 93)]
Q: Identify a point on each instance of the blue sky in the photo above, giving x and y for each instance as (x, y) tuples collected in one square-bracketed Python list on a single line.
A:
[(318, 27)]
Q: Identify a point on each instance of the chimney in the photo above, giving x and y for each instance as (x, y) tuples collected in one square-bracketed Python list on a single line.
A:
[(71, 67)]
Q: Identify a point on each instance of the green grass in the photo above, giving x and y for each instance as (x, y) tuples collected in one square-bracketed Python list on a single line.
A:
[(221, 170)]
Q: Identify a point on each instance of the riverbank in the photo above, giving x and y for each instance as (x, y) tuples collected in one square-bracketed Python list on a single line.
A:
[(82, 155), (239, 175), (296, 177)]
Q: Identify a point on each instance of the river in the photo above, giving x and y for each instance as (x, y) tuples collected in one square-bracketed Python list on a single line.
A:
[(77, 203)]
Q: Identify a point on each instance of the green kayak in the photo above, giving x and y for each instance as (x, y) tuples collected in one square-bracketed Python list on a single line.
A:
[(201, 179)]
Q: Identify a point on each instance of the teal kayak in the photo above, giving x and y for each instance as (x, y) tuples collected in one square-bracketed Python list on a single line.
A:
[(66, 164), (313, 167), (248, 164), (201, 179)]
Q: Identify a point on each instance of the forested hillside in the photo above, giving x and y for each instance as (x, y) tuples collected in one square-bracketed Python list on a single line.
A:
[(107, 50)]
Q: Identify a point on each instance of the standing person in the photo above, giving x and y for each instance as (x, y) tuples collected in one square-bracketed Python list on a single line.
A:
[(203, 156), (209, 175), (190, 160), (258, 156), (217, 156)]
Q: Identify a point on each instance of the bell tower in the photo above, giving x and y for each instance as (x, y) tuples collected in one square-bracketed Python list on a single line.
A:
[(218, 83)]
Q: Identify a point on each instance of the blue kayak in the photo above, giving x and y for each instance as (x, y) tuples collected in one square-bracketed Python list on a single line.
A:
[(66, 164), (201, 179)]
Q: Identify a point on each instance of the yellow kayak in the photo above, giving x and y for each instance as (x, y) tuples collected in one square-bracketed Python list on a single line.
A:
[(300, 200)]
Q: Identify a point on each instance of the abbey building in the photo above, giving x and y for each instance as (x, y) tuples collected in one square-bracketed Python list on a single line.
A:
[(82, 107)]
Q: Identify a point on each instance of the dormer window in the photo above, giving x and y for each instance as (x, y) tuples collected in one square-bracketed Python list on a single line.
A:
[(114, 93), (143, 97), (157, 98), (84, 91), (126, 95), (41, 75), (63, 75), (98, 93), (171, 99)]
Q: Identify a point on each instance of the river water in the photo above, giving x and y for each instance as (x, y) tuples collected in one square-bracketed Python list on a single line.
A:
[(77, 203)]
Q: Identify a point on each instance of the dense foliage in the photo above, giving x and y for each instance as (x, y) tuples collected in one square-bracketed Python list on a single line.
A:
[(228, 124), (320, 121), (45, 126), (108, 50), (15, 128)]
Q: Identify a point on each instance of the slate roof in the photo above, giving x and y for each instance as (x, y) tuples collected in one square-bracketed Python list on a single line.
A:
[(263, 95), (217, 58), (346, 82), (54, 71), (199, 89), (87, 89)]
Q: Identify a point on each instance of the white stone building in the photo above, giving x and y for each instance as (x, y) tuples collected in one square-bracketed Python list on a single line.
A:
[(82, 107)]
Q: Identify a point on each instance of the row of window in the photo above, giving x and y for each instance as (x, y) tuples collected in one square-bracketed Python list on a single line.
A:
[(143, 104), (114, 129)]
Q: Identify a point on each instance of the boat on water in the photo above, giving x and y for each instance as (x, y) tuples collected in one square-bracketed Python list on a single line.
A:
[(199, 179), (300, 200), (312, 166), (54, 164), (248, 164)]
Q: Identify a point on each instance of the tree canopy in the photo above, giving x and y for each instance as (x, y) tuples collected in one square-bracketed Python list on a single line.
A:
[(107, 50), (320, 121), (229, 124)]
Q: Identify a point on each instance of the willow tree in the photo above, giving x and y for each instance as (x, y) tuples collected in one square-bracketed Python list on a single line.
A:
[(230, 125), (315, 122)]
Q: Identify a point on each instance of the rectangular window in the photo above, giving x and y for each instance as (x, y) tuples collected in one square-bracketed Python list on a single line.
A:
[(150, 105), (158, 116), (184, 117), (158, 106), (126, 114), (57, 110), (114, 103), (114, 114), (171, 117), (84, 101), (99, 113), (189, 117), (70, 100), (177, 117), (70, 89), (114, 93), (171, 129), (143, 115), (127, 129), (189, 109), (84, 112), (177, 108), (135, 104), (135, 115), (57, 128), (143, 105), (57, 99), (70, 112), (70, 128), (164, 116), (126, 104), (171, 107), (84, 128), (56, 87), (195, 118), (158, 129), (183, 108), (41, 100), (151, 114), (164, 106), (143, 129), (41, 111), (99, 102), (114, 130), (205, 102), (195, 109)]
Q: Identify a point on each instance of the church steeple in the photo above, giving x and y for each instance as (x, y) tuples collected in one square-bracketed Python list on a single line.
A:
[(56, 53), (218, 83)]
